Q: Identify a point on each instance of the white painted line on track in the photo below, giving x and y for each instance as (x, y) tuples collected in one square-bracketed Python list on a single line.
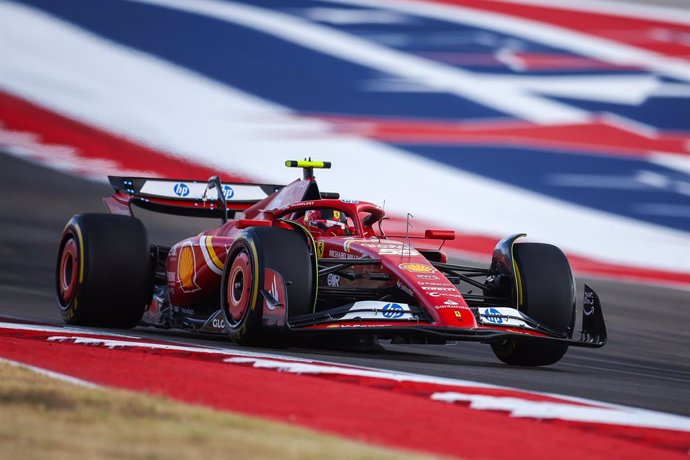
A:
[(51, 374), (601, 412)]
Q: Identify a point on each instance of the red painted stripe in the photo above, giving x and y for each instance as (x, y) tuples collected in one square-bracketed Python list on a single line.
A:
[(369, 410), (528, 61), (91, 143), (661, 37), (598, 136)]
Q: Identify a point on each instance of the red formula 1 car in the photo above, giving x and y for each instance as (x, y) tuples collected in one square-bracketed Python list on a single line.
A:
[(292, 261)]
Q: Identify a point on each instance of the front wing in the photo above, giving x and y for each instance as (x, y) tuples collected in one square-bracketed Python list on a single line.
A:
[(372, 321)]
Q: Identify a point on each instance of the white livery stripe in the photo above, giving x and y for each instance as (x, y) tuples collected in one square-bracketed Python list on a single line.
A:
[(207, 257)]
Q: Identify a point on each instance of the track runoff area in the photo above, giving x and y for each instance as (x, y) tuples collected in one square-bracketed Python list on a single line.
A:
[(550, 123)]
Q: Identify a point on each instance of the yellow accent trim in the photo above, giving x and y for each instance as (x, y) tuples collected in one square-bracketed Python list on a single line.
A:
[(307, 164), (316, 259), (81, 253), (213, 255), (518, 280), (252, 247)]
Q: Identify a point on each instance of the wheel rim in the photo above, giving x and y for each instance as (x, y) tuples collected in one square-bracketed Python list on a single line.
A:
[(238, 287), (69, 268)]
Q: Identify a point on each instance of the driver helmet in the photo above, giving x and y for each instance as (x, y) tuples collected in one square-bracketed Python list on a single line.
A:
[(326, 219)]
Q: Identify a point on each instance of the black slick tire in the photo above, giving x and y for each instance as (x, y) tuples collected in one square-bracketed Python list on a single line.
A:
[(256, 249), (548, 296), (103, 276)]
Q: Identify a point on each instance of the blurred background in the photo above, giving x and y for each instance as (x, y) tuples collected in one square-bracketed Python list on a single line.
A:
[(569, 123)]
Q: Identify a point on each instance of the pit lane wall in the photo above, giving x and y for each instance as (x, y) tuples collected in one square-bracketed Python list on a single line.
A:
[(515, 121)]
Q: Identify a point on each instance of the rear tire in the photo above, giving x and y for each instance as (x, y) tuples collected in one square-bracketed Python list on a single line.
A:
[(548, 296), (258, 248), (103, 276)]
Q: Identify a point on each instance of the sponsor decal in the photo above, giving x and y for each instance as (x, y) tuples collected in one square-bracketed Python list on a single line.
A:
[(350, 201), (439, 288), (417, 268), (186, 269), (383, 245), (404, 288), (347, 244), (228, 192), (333, 280), (492, 315), (339, 255), (398, 252), (458, 315), (427, 277), (588, 305), (273, 284), (450, 302), (503, 316), (277, 204), (181, 189), (319, 249), (427, 283), (443, 294), (392, 248), (352, 325), (219, 323), (392, 310), (372, 310)]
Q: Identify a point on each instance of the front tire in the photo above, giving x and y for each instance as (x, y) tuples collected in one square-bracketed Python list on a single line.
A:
[(257, 249), (103, 276), (547, 296)]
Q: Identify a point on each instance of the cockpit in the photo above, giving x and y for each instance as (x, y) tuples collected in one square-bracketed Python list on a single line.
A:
[(343, 219)]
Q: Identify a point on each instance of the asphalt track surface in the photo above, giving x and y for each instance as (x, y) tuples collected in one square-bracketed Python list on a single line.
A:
[(645, 364)]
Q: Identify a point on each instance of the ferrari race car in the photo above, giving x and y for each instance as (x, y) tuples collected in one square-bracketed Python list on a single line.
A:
[(292, 261)]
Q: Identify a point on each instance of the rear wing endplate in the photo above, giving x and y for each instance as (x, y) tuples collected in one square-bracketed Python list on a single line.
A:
[(184, 197)]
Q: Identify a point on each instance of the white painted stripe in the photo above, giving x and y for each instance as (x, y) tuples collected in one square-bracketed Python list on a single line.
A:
[(650, 12), (62, 329), (503, 97), (51, 374), (555, 410), (30, 147), (548, 34), (680, 163), (73, 73), (207, 256), (607, 413)]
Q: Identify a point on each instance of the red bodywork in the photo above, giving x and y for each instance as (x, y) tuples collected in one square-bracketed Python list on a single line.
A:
[(194, 266)]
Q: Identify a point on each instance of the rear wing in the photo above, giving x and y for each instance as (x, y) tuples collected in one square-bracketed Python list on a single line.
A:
[(184, 197)]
